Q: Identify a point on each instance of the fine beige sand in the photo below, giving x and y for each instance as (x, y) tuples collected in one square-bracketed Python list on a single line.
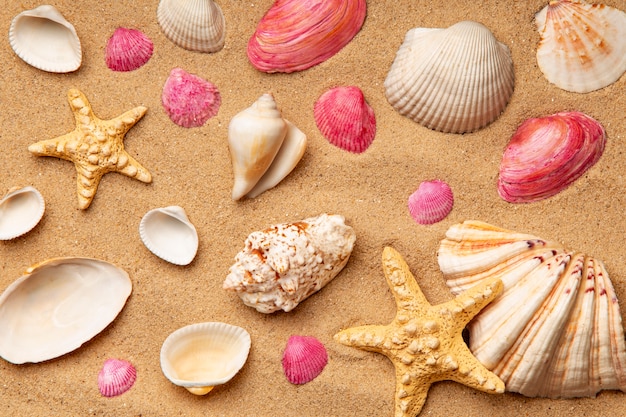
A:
[(191, 168)]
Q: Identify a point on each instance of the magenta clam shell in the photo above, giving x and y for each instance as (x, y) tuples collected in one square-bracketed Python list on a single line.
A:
[(345, 119), (304, 359), (294, 35), (116, 377), (189, 100), (431, 203), (127, 50), (547, 154)]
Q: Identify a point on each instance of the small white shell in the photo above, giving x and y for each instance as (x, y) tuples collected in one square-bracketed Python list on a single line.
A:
[(21, 209), (58, 305), (452, 80), (168, 233), (44, 39), (196, 25), (202, 355)]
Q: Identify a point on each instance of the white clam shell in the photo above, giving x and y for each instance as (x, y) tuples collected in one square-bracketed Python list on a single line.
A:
[(453, 80), (58, 305), (43, 38), (21, 209), (168, 233), (195, 25), (202, 355), (264, 147)]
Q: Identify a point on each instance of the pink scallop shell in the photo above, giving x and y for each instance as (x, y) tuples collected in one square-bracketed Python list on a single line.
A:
[(127, 50), (304, 359), (116, 377), (188, 99), (294, 35), (547, 154), (345, 119), (431, 203)]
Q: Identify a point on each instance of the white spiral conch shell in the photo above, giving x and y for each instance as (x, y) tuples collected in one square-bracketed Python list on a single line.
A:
[(556, 329), (264, 147), (281, 266), (453, 80)]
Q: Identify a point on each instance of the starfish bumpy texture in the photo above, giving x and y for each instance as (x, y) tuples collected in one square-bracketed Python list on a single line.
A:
[(424, 342), (95, 147)]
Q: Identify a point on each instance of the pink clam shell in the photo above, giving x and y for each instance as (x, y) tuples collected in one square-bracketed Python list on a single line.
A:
[(304, 359), (116, 377), (294, 35), (127, 50), (547, 154), (431, 203), (345, 119), (189, 100)]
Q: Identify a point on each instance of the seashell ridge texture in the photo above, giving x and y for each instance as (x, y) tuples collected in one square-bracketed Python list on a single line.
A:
[(453, 80), (127, 50), (304, 359), (284, 264), (431, 202), (116, 377), (556, 329)]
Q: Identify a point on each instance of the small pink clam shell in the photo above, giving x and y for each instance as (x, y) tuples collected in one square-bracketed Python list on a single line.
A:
[(304, 359), (431, 203), (547, 154), (297, 34), (116, 377), (188, 99), (345, 119), (127, 50)]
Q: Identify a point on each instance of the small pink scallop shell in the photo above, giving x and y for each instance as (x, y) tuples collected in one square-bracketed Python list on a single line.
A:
[(304, 359), (431, 203), (188, 99), (127, 50), (345, 119), (116, 377)]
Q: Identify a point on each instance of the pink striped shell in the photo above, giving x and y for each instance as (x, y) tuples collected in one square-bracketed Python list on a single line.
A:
[(116, 377), (127, 50), (189, 100), (304, 359), (431, 203), (345, 119)]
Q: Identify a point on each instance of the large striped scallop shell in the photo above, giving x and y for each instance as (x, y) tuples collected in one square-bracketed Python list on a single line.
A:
[(195, 25), (556, 330), (583, 46), (453, 80)]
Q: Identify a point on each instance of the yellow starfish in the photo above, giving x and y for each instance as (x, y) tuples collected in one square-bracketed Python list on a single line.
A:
[(424, 342), (95, 147)]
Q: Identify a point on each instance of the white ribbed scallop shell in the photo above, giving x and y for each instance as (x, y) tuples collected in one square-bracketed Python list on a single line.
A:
[(453, 80), (556, 329), (196, 25), (583, 46)]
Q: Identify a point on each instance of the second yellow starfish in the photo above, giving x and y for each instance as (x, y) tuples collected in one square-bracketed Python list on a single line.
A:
[(95, 147), (424, 342)]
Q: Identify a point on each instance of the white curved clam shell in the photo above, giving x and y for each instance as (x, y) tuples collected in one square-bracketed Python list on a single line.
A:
[(202, 355), (43, 38), (168, 233), (21, 209), (58, 305), (195, 25), (452, 80)]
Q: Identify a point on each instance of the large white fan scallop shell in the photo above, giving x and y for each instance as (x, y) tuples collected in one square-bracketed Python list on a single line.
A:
[(556, 329), (583, 46), (453, 80)]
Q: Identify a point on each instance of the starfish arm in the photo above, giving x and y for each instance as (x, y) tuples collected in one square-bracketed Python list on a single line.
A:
[(56, 147), (87, 182), (405, 289), (80, 107), (129, 166), (410, 396), (472, 373), (122, 123), (364, 337)]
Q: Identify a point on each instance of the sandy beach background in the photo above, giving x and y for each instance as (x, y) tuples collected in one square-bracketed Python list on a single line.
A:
[(191, 168)]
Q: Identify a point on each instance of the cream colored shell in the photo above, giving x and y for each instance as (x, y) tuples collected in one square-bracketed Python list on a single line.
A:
[(21, 209), (169, 234), (453, 80)]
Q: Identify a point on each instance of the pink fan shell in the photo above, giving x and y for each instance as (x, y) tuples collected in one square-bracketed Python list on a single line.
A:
[(431, 203), (304, 359), (127, 50), (345, 119), (189, 100), (116, 377)]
